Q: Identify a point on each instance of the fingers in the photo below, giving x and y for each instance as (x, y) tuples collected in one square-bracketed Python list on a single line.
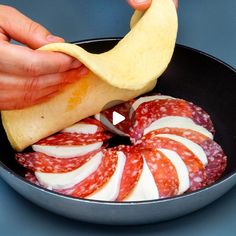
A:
[(176, 3), (7, 82), (23, 29), (144, 4), (140, 4), (20, 99), (12, 82), (19, 92), (21, 60)]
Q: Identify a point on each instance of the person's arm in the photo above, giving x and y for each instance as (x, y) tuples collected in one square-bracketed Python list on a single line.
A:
[(144, 4), (28, 76)]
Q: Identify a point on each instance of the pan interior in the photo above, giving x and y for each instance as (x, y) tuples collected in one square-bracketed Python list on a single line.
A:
[(191, 75)]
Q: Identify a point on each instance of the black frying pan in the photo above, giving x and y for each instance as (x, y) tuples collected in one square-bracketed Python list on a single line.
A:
[(193, 76)]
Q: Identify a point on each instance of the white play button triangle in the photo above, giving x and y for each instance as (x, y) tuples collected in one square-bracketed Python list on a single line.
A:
[(117, 118)]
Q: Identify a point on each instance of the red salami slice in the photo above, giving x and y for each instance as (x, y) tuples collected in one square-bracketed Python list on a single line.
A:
[(202, 118), (186, 133), (197, 172), (217, 160), (169, 173), (132, 170), (97, 179), (74, 139), (123, 109), (32, 178), (163, 171), (40, 162), (149, 112)]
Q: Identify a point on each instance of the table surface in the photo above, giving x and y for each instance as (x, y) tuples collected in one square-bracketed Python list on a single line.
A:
[(205, 25)]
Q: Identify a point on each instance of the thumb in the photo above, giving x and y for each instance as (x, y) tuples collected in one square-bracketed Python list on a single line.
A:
[(140, 4), (24, 30)]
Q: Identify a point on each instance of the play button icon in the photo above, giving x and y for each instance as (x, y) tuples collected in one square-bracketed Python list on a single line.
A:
[(117, 118)]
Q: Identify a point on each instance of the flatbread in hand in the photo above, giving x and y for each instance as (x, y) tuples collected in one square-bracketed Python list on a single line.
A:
[(128, 70)]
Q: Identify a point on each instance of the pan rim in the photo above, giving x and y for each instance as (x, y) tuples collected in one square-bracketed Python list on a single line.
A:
[(223, 179), (117, 203)]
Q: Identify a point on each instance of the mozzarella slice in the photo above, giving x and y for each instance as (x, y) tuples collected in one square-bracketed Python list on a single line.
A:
[(193, 147), (111, 190), (142, 100), (146, 188), (109, 125), (67, 151), (69, 179), (177, 122), (81, 128), (181, 169)]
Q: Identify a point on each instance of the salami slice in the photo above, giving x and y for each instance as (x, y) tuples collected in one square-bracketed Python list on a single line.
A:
[(186, 133), (173, 152), (163, 171), (97, 179), (151, 111), (93, 121), (40, 162), (197, 172), (122, 128), (217, 160), (32, 178), (74, 139), (132, 170), (202, 118)]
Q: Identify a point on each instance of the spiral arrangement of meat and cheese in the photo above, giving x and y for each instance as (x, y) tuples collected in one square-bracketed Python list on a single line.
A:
[(172, 152)]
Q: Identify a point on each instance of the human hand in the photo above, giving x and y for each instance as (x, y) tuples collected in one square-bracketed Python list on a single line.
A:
[(28, 76), (144, 4)]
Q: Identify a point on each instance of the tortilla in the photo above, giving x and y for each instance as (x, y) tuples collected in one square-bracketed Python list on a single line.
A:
[(128, 70), (82, 99), (141, 56)]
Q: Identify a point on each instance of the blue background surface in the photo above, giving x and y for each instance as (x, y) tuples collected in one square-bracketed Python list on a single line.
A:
[(208, 25)]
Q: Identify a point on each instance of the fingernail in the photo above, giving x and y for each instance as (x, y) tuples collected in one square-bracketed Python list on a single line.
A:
[(55, 39), (75, 64), (140, 1)]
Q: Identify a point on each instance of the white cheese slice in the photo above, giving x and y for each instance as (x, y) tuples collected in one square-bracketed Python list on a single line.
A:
[(193, 147), (109, 125), (146, 188), (181, 169), (142, 100), (81, 128), (111, 190), (177, 122), (67, 151), (69, 179)]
